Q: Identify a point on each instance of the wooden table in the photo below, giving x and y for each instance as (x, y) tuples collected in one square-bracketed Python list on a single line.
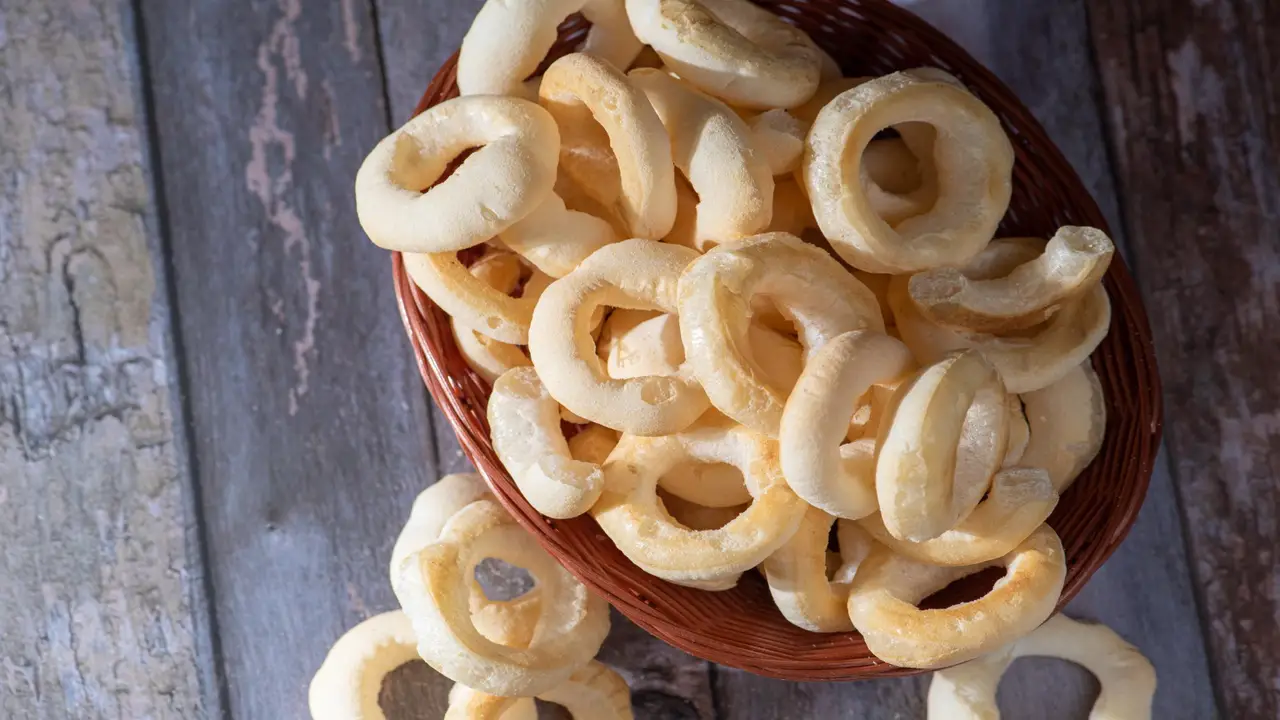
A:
[(212, 426)]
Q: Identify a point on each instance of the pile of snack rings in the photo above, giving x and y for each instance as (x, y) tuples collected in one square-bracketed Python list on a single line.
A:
[(769, 303)]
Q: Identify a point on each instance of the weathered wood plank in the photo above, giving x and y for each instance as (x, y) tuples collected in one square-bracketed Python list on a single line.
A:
[(310, 425), (1194, 119), (102, 604)]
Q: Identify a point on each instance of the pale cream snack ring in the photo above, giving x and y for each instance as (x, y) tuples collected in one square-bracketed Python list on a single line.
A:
[(347, 684), (470, 300), (1128, 680), (636, 274), (468, 704), (507, 40), (780, 136), (797, 575), (1073, 263), (434, 584), (1067, 422), (509, 176), (595, 692), (972, 159), (816, 417), (1020, 500), (716, 152), (633, 158), (732, 49), (555, 239), (490, 358), (524, 427), (884, 595), (1029, 361), (808, 286), (944, 437), (630, 512)]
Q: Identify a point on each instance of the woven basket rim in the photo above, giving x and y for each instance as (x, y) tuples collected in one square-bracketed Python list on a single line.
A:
[(1126, 362)]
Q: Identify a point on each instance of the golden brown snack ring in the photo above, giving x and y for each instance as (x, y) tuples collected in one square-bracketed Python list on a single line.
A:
[(816, 417), (888, 587), (972, 158), (503, 181), (968, 691), (636, 274), (819, 295), (742, 54), (943, 438), (628, 167), (434, 585), (630, 513)]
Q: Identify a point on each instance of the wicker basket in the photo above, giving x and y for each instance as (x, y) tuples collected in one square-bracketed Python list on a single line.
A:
[(741, 627)]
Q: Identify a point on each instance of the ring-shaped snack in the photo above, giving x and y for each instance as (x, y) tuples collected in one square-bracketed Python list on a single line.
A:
[(887, 589), (943, 438), (595, 692), (468, 704), (433, 586), (1027, 361), (732, 49), (798, 576), (1073, 263), (716, 152), (468, 299), (815, 421), (972, 159), (636, 274), (1020, 501), (490, 358), (780, 137), (555, 239), (613, 145), (630, 512), (1068, 421), (807, 285), (347, 684), (401, 207), (508, 40), (1127, 679), (524, 427)]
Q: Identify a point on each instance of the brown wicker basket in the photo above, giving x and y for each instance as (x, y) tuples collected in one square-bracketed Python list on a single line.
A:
[(741, 627)]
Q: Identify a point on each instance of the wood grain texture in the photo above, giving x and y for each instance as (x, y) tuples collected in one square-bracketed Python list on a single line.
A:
[(1194, 97), (101, 606), (308, 416)]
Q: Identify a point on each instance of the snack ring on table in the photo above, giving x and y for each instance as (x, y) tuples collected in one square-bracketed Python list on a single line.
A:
[(1068, 421), (630, 513), (524, 427), (1020, 501), (943, 438), (1073, 263), (1019, 433), (636, 274), (885, 593), (1128, 680), (716, 152), (470, 300), (509, 176), (508, 622), (433, 585), (808, 286), (347, 684), (595, 692), (490, 358), (628, 167), (816, 418), (508, 40), (1028, 361), (972, 159), (780, 137), (732, 49), (798, 579), (555, 239)]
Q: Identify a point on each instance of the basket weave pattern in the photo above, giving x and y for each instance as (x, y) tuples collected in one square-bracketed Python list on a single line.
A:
[(741, 627)]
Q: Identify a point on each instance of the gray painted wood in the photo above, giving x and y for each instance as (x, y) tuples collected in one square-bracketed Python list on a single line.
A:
[(308, 417), (1195, 132), (102, 610)]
